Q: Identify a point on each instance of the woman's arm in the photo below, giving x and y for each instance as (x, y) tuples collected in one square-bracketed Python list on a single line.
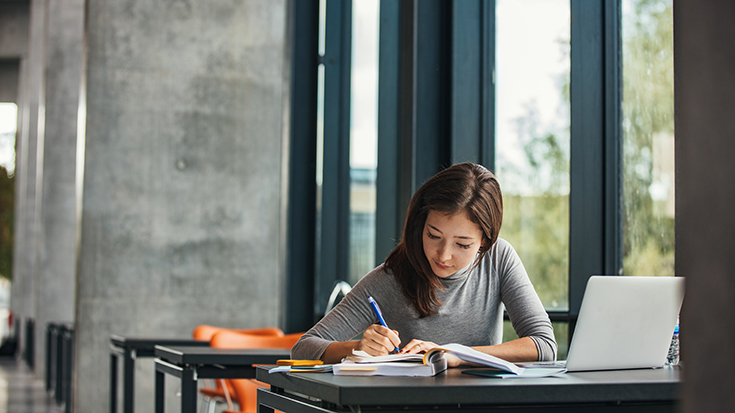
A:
[(376, 341), (519, 350), (332, 338), (525, 310), (522, 349)]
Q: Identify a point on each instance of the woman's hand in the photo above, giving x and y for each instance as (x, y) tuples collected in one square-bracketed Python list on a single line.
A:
[(379, 341), (420, 346)]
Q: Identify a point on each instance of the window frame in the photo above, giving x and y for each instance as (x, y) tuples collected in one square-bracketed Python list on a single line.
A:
[(436, 106)]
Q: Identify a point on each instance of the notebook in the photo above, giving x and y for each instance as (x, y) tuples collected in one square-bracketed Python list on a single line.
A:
[(625, 322)]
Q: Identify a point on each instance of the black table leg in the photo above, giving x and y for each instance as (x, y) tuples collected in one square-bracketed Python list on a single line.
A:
[(160, 393), (113, 383), (128, 381), (188, 391)]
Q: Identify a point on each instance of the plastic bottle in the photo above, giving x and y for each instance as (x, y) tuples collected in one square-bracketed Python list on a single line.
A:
[(672, 358)]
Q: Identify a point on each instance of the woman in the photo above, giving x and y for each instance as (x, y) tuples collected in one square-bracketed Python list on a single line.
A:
[(445, 282)]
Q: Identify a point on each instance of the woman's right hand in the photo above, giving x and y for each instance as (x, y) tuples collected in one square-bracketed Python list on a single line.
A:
[(379, 341)]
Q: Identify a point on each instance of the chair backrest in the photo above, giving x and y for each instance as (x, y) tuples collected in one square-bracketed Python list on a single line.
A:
[(205, 332), (233, 339), (340, 290)]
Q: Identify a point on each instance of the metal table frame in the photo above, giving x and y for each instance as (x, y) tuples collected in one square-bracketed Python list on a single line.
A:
[(130, 349), (193, 363)]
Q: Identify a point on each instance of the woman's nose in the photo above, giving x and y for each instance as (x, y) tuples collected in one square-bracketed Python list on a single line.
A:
[(443, 252)]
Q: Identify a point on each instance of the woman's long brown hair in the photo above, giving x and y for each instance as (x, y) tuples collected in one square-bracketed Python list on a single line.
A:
[(465, 187)]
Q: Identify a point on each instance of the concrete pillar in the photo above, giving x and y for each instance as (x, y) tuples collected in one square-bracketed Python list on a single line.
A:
[(56, 258), (182, 210)]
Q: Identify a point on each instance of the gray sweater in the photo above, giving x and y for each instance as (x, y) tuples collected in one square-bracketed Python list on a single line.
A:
[(472, 313)]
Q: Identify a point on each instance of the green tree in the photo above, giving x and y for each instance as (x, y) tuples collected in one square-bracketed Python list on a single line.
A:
[(6, 224)]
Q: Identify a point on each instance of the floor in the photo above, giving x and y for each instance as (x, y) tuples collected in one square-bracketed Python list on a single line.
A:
[(21, 391)]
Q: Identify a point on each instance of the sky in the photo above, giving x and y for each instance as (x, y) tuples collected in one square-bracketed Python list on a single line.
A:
[(8, 119)]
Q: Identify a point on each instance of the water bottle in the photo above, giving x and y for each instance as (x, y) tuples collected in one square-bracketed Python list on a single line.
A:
[(672, 359)]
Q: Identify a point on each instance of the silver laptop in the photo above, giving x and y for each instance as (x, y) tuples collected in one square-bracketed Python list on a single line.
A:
[(625, 322)]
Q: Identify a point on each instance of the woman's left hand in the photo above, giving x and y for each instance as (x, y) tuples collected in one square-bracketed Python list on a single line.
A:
[(420, 346)]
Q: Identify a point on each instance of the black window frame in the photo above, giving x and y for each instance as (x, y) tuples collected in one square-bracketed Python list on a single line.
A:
[(436, 107)]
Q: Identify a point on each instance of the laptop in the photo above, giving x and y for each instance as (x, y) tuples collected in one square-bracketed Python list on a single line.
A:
[(625, 322)]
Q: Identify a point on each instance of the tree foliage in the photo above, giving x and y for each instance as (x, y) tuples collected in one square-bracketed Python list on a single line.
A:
[(6, 224)]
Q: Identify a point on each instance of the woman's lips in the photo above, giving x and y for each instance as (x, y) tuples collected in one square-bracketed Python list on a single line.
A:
[(441, 266)]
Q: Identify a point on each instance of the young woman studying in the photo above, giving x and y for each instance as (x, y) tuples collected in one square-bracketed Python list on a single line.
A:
[(447, 281)]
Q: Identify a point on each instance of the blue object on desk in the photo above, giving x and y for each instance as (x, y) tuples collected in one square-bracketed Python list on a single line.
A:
[(376, 309)]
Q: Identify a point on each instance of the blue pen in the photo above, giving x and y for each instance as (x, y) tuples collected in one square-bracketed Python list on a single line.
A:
[(379, 314)]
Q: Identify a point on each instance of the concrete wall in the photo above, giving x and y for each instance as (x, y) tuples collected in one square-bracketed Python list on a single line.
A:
[(704, 68), (181, 210)]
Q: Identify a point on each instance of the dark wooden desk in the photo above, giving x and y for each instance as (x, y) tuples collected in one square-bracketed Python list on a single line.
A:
[(193, 363), (646, 390), (130, 349)]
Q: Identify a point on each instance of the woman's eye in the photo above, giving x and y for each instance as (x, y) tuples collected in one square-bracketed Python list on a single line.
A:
[(432, 236), (465, 246)]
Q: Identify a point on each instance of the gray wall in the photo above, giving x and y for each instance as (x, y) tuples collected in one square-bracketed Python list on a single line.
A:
[(704, 67)]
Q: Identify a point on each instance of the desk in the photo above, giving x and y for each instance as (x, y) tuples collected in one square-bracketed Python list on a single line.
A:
[(648, 390), (193, 363), (130, 349)]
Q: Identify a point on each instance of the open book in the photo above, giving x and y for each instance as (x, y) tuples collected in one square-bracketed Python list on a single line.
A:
[(431, 363)]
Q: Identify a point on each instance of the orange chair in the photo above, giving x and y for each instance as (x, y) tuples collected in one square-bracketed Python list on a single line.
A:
[(204, 332), (245, 390)]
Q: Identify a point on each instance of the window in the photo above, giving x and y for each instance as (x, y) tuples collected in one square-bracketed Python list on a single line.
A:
[(532, 139), (648, 137), (532, 144), (569, 102), (363, 137)]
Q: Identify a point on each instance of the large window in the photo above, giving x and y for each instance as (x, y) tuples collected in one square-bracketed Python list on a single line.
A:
[(569, 102)]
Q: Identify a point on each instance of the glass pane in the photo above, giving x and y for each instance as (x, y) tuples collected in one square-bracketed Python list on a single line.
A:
[(532, 138), (320, 138), (363, 137), (648, 137)]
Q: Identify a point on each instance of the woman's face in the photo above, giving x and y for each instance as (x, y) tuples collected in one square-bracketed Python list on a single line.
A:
[(450, 242)]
